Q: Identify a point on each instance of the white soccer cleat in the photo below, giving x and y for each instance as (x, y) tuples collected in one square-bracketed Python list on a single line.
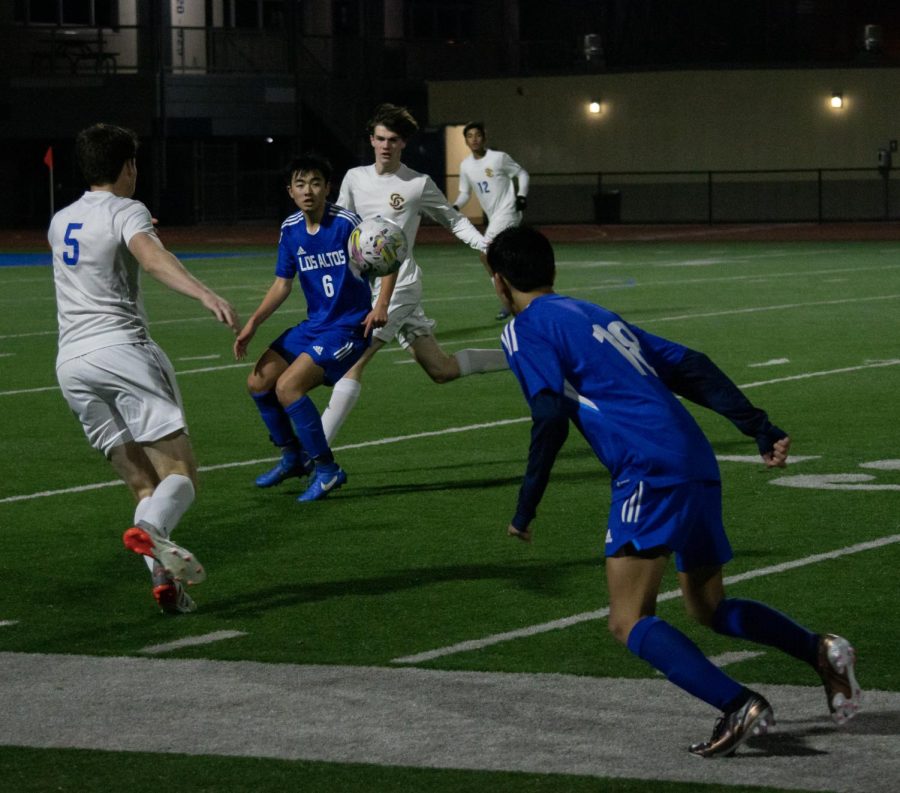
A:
[(835, 666), (170, 594), (179, 562)]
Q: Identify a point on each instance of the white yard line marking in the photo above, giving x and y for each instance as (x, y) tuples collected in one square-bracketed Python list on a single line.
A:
[(212, 357), (771, 362), (242, 463), (190, 641), (7, 623), (757, 309), (802, 376), (587, 616), (735, 657), (624, 281), (399, 438), (757, 460)]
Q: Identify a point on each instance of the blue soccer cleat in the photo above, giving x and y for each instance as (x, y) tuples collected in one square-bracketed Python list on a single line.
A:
[(286, 468), (324, 481)]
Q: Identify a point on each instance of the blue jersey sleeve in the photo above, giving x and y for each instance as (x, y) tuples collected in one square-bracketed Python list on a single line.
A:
[(662, 354), (536, 364), (286, 266)]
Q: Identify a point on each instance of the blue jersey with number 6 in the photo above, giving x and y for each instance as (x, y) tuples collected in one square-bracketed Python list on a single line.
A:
[(335, 297), (609, 371)]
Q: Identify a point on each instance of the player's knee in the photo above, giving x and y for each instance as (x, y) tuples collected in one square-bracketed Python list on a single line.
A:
[(288, 390), (441, 376), (256, 384), (620, 626)]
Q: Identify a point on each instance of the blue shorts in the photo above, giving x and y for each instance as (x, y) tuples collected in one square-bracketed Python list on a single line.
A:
[(335, 350), (685, 518)]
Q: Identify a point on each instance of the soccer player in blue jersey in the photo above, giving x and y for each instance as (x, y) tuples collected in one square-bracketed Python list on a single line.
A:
[(617, 383), (320, 350)]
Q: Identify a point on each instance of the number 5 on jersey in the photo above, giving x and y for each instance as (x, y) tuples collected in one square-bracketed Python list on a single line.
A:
[(71, 259)]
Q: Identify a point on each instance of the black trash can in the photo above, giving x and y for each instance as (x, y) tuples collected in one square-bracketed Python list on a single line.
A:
[(608, 206)]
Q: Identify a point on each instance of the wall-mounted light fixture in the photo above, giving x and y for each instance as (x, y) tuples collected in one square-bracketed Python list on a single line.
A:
[(594, 106), (837, 100)]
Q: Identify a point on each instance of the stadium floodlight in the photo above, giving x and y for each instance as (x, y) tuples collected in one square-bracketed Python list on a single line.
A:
[(594, 106), (837, 99)]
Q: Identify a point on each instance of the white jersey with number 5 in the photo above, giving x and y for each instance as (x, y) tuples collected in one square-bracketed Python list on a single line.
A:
[(403, 196), (97, 278)]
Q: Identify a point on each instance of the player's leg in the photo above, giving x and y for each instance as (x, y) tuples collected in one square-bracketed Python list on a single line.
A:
[(346, 391), (443, 368), (832, 657), (494, 227), (162, 477), (261, 386), (293, 388), (633, 578), (645, 524)]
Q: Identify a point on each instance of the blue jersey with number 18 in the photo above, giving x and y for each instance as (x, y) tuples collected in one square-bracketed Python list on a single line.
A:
[(335, 297), (610, 371)]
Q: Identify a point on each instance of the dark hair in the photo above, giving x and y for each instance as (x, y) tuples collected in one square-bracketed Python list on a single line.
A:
[(524, 257), (310, 161), (395, 118), (102, 150), (479, 125)]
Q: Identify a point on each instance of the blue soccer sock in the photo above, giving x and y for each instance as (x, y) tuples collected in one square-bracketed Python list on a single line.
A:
[(274, 417), (308, 426), (757, 622), (681, 661)]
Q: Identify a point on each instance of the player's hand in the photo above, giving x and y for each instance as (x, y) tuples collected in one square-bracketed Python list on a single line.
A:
[(242, 342), (777, 458), (524, 535), (376, 318), (222, 310)]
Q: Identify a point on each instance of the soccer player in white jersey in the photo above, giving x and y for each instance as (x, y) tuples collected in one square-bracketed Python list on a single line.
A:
[(116, 380), (500, 184), (391, 189), (617, 384)]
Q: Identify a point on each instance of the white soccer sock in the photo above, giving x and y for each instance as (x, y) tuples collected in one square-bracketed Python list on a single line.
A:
[(480, 361), (343, 398), (168, 503)]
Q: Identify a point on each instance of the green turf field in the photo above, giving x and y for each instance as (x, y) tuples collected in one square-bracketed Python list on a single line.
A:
[(410, 558)]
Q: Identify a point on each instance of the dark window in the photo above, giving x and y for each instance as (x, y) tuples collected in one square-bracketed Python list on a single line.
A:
[(71, 13)]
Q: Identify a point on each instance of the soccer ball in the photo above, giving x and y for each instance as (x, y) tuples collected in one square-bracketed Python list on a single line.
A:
[(377, 247)]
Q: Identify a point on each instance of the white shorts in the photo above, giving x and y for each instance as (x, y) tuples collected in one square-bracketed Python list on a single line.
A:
[(406, 321), (123, 393), (500, 223)]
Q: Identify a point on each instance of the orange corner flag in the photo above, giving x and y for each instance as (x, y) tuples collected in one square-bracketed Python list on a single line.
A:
[(48, 158)]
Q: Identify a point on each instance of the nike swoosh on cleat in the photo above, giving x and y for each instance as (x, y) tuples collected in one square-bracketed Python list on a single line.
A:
[(326, 486)]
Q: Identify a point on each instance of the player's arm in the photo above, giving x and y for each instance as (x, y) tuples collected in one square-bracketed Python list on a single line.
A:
[(277, 294), (522, 181), (377, 317), (549, 430), (435, 205), (465, 191), (345, 194), (697, 378), (165, 268)]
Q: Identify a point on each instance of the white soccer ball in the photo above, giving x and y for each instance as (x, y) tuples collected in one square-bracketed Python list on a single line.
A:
[(377, 247)]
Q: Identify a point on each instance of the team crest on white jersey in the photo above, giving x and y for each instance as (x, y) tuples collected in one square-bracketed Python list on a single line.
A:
[(318, 349), (488, 171), (396, 200)]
